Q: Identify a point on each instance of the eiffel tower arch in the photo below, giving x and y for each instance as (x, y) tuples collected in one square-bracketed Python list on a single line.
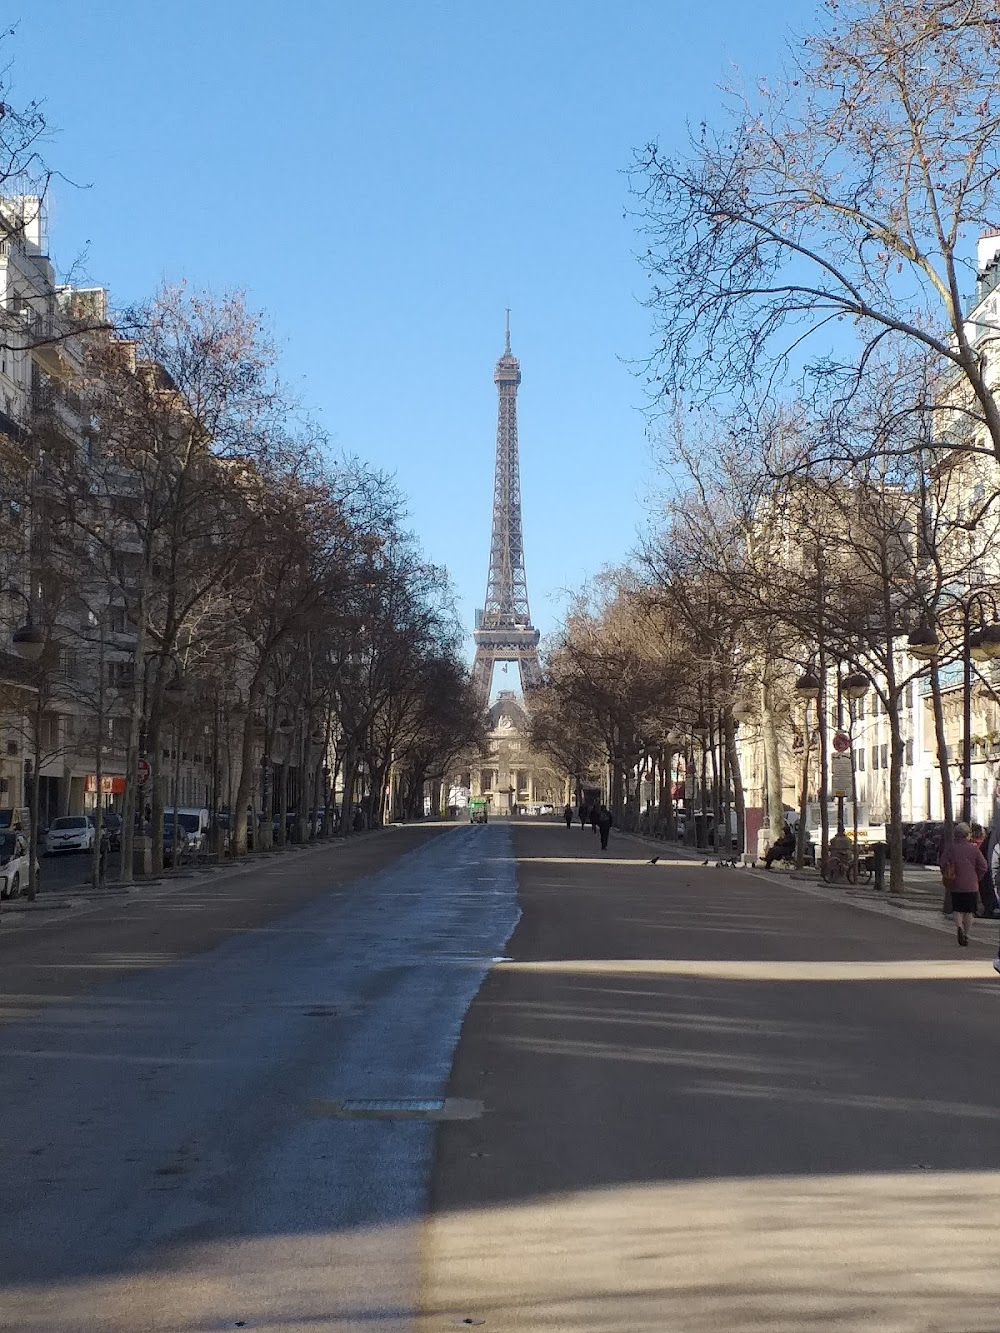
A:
[(504, 632)]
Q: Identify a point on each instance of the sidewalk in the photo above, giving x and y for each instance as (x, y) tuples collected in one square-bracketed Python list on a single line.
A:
[(84, 897), (919, 903)]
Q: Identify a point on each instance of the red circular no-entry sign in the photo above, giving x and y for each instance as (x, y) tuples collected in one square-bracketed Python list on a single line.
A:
[(143, 772), (841, 742)]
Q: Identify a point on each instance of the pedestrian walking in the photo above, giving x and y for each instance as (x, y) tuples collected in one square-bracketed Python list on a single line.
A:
[(962, 866), (987, 888), (594, 816), (583, 815), (604, 822), (568, 816)]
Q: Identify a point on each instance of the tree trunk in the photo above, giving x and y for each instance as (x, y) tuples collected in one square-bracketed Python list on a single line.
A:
[(282, 785), (36, 796), (824, 769), (772, 762), (937, 703), (896, 752), (132, 789), (715, 750), (175, 792), (739, 796), (245, 784), (305, 785), (159, 778), (800, 842), (350, 771)]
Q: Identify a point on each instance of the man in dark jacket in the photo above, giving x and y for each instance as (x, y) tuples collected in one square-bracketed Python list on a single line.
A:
[(604, 822)]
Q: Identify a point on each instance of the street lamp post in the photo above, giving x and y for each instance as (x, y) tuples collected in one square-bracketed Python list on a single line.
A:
[(843, 850), (30, 642), (699, 729), (807, 687)]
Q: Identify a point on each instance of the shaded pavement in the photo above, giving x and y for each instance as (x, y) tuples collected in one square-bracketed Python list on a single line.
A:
[(716, 1101), (192, 1090)]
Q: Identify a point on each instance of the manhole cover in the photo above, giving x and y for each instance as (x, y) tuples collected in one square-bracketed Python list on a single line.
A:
[(396, 1108), (391, 1106)]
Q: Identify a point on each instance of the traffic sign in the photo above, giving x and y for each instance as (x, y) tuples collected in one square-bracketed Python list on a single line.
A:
[(841, 742), (143, 772), (840, 775)]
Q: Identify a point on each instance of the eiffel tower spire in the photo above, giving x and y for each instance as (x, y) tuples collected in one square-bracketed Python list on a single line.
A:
[(504, 632)]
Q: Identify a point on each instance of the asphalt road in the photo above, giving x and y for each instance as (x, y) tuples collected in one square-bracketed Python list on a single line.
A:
[(176, 1150), (350, 1089), (717, 1103)]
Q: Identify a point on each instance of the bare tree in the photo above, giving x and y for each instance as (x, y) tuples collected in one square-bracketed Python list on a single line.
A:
[(831, 218)]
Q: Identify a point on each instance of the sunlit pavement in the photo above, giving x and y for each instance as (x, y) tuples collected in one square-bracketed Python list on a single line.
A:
[(714, 1102)]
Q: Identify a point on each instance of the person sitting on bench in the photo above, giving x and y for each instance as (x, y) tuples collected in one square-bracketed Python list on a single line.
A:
[(781, 850)]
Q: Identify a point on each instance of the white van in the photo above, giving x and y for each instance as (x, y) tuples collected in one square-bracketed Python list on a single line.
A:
[(192, 827)]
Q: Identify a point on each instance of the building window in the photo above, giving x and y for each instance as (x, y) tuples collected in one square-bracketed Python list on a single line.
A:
[(119, 674), (909, 754), (885, 756), (909, 695), (874, 756)]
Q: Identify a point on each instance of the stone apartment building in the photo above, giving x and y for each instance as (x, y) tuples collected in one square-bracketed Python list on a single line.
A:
[(962, 489), (60, 711)]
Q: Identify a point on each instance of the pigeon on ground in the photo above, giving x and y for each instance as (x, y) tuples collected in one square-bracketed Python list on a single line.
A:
[(653, 860)]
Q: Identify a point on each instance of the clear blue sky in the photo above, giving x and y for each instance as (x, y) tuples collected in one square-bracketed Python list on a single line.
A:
[(384, 177)]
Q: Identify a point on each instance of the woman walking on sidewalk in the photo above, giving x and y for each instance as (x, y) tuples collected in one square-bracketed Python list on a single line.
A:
[(962, 865)]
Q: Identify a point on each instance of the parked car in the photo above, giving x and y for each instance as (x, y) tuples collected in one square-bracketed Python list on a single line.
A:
[(70, 833), (291, 825), (13, 864), (926, 843), (908, 829)]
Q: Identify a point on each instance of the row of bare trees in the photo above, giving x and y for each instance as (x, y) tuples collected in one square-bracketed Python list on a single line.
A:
[(824, 375), (226, 591)]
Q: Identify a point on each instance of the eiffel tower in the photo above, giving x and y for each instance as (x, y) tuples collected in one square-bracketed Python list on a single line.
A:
[(504, 632)]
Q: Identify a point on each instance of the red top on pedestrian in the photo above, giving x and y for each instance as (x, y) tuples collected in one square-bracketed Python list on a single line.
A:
[(969, 863)]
